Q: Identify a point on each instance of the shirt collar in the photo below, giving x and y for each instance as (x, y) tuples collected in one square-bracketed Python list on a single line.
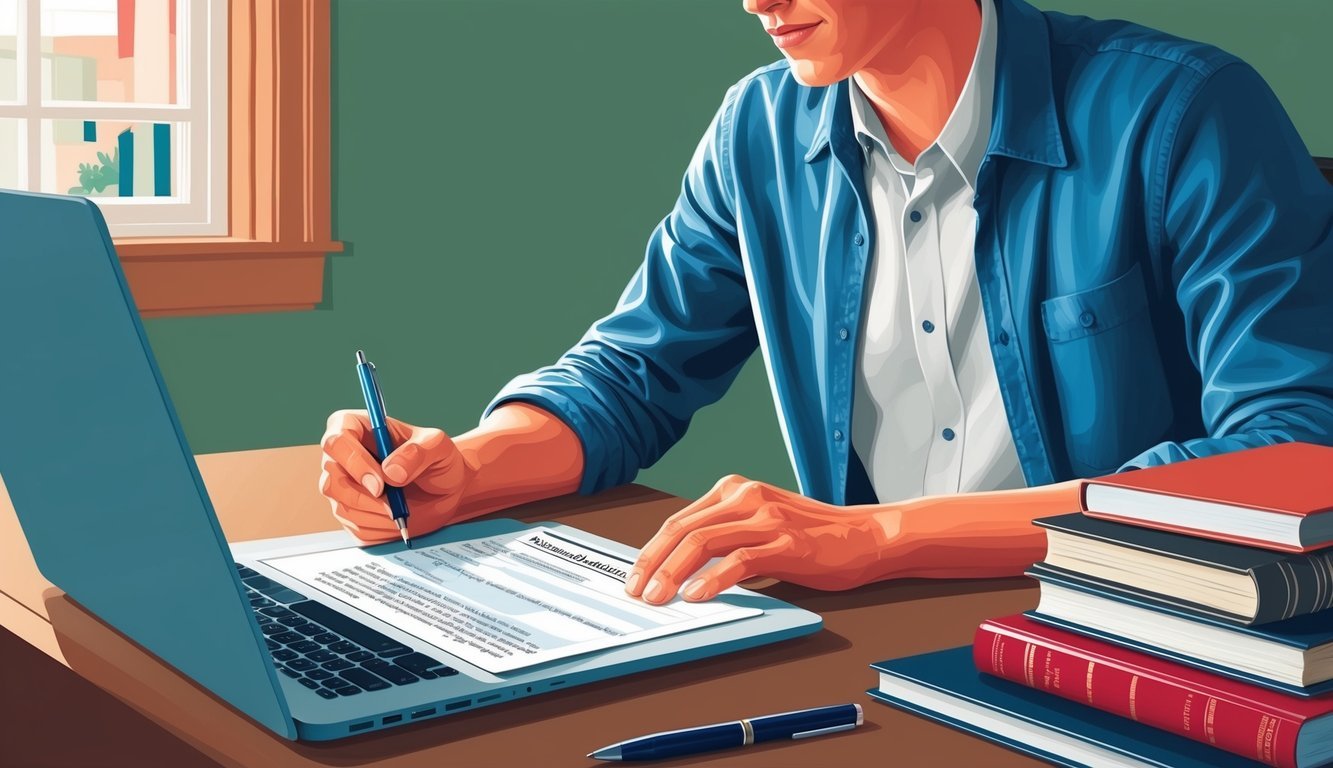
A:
[(964, 136), (1024, 125)]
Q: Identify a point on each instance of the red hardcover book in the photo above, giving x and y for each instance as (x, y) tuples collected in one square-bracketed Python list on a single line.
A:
[(1276, 497), (1243, 719)]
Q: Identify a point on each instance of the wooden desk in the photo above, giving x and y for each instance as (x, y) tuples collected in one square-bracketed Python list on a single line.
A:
[(272, 492)]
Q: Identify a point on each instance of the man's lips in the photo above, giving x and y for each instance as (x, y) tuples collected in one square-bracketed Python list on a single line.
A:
[(785, 28), (791, 35)]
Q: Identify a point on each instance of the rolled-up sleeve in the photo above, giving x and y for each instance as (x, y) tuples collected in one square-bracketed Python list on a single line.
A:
[(674, 343), (1247, 229)]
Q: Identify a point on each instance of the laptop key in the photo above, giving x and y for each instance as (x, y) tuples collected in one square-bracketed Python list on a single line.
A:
[(395, 674), (288, 637), (364, 679), (272, 629), (244, 572), (301, 665), (322, 655), (272, 646), (303, 646), (289, 672), (399, 651), (360, 656), (309, 630), (347, 690), (336, 665), (292, 620), (276, 611), (260, 602), (282, 654), (419, 664), (344, 647), (328, 638), (285, 595), (262, 619), (311, 684), (326, 693), (319, 674), (374, 663), (355, 631)]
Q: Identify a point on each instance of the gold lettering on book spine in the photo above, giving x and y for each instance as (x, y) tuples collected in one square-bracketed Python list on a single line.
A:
[(1092, 665), (1133, 704), (1209, 714), (997, 654), (1259, 737), (1029, 662)]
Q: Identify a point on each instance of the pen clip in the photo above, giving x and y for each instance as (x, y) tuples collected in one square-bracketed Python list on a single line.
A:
[(822, 731)]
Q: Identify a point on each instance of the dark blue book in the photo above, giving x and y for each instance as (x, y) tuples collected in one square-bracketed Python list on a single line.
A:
[(1293, 656), (1242, 584), (945, 686)]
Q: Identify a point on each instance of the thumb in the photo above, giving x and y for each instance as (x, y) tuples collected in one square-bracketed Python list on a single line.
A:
[(422, 449)]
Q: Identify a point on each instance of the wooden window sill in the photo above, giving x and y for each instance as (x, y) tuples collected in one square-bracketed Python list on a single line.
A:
[(223, 275)]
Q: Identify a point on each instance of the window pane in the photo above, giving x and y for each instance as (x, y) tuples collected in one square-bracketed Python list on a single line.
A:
[(12, 160), (106, 158), (9, 73), (109, 51)]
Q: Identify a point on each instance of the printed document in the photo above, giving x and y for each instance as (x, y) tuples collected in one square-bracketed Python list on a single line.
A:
[(504, 602)]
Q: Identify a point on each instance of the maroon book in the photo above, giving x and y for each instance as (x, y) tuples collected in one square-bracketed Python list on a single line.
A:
[(1275, 497), (1257, 723)]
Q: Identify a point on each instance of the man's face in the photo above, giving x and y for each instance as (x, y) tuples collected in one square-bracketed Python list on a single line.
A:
[(829, 40)]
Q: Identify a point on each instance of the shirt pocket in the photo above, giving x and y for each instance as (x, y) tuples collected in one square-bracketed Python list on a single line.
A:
[(1108, 373)]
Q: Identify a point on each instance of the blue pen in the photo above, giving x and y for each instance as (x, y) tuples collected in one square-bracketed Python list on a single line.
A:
[(379, 424), (740, 733)]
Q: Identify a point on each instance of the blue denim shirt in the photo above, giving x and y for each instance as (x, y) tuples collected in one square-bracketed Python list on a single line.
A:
[(1154, 249)]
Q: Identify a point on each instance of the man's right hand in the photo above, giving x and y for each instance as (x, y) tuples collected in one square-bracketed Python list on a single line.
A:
[(426, 465)]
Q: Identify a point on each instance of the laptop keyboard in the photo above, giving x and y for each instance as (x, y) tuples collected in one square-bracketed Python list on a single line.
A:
[(326, 651)]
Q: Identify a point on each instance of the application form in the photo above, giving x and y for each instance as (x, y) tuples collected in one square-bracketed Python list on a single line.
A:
[(503, 602)]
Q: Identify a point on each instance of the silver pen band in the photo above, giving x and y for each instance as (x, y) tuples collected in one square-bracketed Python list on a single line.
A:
[(748, 730)]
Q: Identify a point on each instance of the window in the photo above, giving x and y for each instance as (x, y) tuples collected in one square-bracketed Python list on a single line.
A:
[(200, 128), (120, 100)]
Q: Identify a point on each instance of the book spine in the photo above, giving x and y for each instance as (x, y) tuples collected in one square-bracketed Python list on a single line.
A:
[(1229, 725), (1294, 586)]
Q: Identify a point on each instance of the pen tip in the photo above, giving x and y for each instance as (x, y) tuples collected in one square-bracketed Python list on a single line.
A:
[(606, 753), (360, 357), (406, 540)]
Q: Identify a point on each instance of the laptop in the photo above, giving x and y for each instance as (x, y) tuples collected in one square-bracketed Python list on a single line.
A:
[(113, 507)]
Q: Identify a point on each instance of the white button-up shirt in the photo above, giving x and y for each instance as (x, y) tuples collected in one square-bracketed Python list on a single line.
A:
[(927, 416)]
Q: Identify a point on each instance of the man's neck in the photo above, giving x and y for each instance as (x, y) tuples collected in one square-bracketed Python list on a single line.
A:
[(916, 79)]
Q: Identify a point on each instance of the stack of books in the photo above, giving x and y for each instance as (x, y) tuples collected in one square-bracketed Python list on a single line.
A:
[(1187, 610)]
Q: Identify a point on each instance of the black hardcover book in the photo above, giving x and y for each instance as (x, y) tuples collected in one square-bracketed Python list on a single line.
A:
[(1244, 584)]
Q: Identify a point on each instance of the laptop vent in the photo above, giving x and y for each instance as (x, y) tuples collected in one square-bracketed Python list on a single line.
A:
[(451, 706), (423, 713), (354, 727)]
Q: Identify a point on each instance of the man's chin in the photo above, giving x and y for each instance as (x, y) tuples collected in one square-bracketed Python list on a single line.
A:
[(815, 75)]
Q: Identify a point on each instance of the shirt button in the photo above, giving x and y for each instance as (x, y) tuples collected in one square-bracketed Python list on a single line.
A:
[(837, 435), (858, 238), (842, 334), (927, 326), (915, 217), (947, 434), (1087, 319), (1004, 338)]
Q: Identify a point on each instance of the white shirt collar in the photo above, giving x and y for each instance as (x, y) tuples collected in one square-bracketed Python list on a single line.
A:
[(966, 133)]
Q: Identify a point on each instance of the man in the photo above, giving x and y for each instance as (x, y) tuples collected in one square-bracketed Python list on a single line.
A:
[(983, 250)]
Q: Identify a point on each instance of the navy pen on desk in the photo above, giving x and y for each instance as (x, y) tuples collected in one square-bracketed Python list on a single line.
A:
[(379, 424), (739, 733)]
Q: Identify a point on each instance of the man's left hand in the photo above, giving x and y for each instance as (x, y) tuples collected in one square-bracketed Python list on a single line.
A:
[(760, 530)]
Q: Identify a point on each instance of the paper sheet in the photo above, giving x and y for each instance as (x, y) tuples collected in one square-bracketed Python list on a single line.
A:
[(504, 602)]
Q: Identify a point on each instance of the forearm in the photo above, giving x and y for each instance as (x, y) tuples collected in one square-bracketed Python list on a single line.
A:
[(972, 535), (519, 454)]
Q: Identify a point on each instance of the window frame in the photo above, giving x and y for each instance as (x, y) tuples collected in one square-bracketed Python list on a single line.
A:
[(280, 229)]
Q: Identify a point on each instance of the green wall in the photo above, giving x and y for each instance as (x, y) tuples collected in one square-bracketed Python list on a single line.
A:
[(498, 166)]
